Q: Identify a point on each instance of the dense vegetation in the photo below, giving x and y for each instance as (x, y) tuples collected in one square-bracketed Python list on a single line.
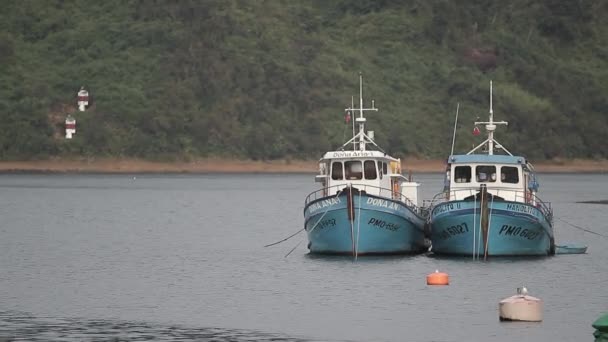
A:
[(271, 79)]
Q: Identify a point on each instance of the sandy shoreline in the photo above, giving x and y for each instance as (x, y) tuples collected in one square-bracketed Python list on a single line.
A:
[(212, 165)]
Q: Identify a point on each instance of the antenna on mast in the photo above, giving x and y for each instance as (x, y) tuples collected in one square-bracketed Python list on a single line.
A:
[(361, 138), (491, 111), (352, 105), (455, 123), (490, 128)]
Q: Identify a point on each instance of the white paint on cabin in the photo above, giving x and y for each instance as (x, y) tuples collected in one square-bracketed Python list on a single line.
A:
[(507, 181), (410, 191), (372, 171)]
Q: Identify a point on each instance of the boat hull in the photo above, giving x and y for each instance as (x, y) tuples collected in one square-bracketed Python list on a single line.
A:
[(378, 226), (514, 229), (570, 249)]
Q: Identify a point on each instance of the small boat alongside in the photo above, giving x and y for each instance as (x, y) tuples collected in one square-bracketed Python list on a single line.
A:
[(570, 249), (365, 205), (490, 204)]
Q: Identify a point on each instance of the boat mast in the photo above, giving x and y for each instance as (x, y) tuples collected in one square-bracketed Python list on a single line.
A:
[(352, 105), (361, 119), (455, 125), (490, 128), (360, 138)]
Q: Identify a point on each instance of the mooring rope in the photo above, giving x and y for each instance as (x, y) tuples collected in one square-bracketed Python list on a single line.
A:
[(581, 228), (485, 254), (358, 228), (299, 231), (351, 212), (293, 249), (474, 225), (480, 229), (285, 239)]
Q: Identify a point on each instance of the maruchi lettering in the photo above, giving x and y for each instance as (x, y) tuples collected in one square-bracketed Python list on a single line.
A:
[(323, 204), (520, 208), (446, 207), (453, 231), (507, 230), (374, 222)]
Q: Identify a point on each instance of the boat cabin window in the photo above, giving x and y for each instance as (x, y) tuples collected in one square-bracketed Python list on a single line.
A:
[(385, 168), (380, 169), (462, 174), (485, 173), (509, 174), (336, 171), (370, 169), (354, 169)]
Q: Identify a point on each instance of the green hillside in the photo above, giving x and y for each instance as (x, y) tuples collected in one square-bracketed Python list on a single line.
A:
[(271, 79)]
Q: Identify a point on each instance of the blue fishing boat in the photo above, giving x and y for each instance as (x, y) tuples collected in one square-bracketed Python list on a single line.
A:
[(490, 204), (365, 205)]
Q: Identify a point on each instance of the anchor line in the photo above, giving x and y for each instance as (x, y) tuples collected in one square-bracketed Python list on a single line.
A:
[(351, 212), (581, 228), (293, 249), (485, 255), (480, 228), (301, 230), (474, 224), (358, 228)]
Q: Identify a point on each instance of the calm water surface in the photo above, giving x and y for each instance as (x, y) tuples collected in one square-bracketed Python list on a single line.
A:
[(154, 257)]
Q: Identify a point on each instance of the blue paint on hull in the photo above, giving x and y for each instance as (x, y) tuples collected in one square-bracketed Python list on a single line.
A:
[(515, 229), (380, 226)]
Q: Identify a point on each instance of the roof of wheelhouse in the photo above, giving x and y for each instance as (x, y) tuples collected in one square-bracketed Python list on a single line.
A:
[(485, 158)]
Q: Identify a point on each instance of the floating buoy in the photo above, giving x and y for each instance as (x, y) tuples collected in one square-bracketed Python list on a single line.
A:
[(437, 278), (601, 324), (521, 307)]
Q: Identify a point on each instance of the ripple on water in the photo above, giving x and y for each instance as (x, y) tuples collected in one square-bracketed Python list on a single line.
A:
[(16, 326)]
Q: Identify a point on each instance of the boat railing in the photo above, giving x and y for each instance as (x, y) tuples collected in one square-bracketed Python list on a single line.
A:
[(520, 196), (370, 189)]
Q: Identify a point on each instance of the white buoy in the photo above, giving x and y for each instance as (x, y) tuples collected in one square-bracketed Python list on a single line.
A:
[(521, 307)]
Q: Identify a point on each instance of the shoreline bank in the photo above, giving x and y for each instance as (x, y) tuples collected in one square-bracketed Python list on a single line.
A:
[(213, 165)]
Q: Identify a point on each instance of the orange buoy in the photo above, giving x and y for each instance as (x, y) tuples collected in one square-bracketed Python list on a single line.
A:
[(437, 278)]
